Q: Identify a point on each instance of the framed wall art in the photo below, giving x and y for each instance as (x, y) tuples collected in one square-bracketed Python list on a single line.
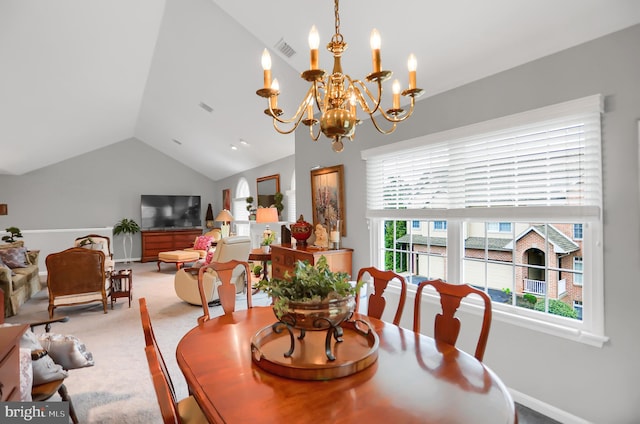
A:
[(327, 197), (226, 199)]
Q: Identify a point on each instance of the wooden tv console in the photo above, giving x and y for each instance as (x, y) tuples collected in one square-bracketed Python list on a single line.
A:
[(156, 241)]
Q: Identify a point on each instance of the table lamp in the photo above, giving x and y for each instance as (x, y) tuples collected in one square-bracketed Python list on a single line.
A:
[(264, 215), (225, 217)]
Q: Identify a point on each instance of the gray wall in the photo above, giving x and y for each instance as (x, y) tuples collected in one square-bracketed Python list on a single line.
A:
[(97, 190), (597, 384)]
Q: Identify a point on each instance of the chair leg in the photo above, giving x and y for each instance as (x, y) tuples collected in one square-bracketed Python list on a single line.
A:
[(62, 391)]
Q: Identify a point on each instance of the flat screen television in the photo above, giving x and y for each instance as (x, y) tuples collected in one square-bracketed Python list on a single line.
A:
[(169, 211)]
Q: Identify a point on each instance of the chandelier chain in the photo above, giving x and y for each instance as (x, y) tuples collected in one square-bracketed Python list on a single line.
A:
[(337, 37)]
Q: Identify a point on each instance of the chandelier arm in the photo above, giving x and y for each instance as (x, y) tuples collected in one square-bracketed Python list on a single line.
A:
[(316, 94), (281, 131), (363, 101), (297, 117), (380, 129), (314, 137), (390, 118)]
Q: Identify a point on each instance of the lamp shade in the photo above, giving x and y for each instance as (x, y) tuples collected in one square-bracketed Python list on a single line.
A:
[(224, 216), (267, 215)]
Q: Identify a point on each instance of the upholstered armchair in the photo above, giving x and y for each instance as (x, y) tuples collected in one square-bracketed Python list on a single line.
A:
[(229, 248), (76, 276), (203, 243), (98, 242)]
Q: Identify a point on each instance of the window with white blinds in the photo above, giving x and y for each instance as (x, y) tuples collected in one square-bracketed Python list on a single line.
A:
[(549, 157), (537, 168)]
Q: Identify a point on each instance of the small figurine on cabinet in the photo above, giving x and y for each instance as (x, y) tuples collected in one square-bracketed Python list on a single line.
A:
[(322, 240)]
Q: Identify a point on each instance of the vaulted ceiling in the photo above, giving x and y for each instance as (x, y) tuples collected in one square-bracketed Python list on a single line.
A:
[(181, 75)]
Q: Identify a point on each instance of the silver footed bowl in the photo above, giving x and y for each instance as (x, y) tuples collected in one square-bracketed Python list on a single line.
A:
[(315, 316)]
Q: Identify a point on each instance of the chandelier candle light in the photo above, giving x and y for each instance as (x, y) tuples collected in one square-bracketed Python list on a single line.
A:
[(337, 96)]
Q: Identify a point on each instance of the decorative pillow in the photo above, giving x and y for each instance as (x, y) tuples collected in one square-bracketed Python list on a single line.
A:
[(207, 259), (67, 350), (94, 246), (3, 265), (15, 257), (44, 369), (202, 242)]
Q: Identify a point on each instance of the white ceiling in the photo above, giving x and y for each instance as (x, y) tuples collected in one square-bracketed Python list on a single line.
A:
[(78, 75)]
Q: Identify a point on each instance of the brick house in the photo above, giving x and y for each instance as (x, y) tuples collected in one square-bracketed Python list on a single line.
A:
[(557, 249)]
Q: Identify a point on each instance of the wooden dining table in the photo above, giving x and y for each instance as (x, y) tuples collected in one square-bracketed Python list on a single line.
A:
[(413, 380)]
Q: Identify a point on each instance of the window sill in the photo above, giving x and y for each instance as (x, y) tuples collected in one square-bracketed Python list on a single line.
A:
[(500, 313)]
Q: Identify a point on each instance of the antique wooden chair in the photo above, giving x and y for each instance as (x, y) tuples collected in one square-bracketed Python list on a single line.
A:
[(226, 272), (76, 276), (377, 301), (98, 242), (184, 411), (446, 325)]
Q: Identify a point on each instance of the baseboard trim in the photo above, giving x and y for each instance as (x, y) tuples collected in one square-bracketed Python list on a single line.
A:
[(546, 409)]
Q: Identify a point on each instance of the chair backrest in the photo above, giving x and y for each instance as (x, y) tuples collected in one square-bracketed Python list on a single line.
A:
[(447, 326), (75, 271), (162, 383), (377, 301), (215, 233), (226, 290), (232, 248), (95, 242)]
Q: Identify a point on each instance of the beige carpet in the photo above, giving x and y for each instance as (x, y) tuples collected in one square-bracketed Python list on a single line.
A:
[(118, 388)]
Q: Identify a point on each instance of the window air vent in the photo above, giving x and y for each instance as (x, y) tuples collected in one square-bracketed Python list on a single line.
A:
[(284, 48)]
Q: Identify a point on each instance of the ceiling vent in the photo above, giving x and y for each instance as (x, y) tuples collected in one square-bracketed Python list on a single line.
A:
[(206, 107), (284, 48)]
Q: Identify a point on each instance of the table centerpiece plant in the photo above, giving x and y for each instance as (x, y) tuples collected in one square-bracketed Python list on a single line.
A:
[(314, 297)]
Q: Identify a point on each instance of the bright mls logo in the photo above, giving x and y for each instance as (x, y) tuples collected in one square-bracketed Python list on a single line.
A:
[(35, 412)]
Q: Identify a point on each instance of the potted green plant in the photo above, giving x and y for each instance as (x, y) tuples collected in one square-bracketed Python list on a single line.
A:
[(277, 202), (314, 297), (14, 233), (257, 270), (250, 209), (267, 240), (128, 227)]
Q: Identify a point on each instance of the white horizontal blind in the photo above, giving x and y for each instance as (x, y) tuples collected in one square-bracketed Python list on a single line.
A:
[(521, 162)]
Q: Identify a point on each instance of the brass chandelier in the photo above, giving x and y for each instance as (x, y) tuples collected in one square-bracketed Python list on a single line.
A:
[(336, 96)]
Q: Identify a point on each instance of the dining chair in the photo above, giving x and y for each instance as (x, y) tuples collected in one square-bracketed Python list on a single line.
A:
[(226, 272), (185, 411), (446, 325), (377, 301)]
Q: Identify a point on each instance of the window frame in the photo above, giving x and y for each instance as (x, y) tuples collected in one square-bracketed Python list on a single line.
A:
[(591, 329), (580, 260)]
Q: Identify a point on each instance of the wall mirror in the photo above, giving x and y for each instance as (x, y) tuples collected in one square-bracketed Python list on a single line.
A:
[(267, 188)]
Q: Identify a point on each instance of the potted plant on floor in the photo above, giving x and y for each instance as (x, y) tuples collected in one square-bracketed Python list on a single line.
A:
[(257, 270), (313, 298), (128, 227)]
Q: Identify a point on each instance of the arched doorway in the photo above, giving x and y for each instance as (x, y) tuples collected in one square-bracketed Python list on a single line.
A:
[(535, 257)]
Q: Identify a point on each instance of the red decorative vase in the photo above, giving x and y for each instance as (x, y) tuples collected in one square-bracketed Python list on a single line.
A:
[(301, 230)]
